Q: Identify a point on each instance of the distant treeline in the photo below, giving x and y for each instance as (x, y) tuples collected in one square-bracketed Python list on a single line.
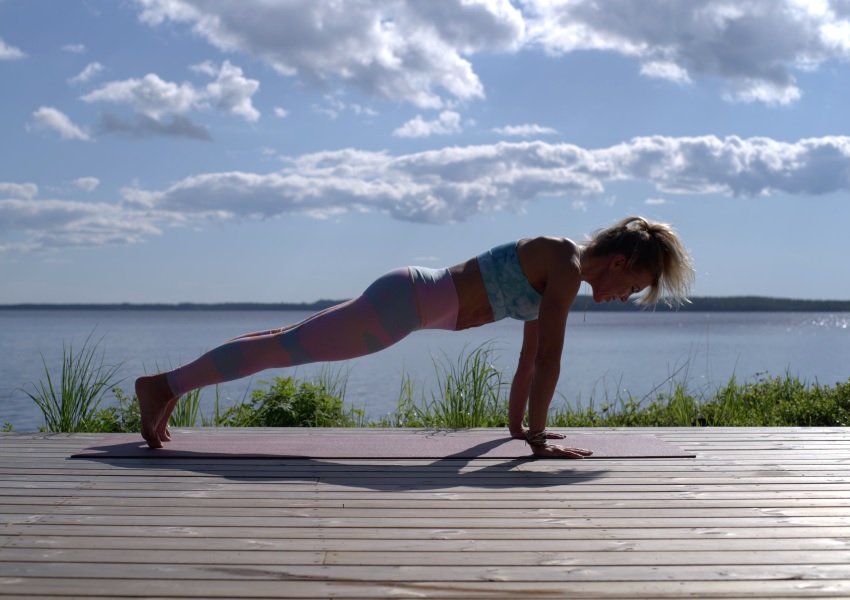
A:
[(729, 304), (698, 304)]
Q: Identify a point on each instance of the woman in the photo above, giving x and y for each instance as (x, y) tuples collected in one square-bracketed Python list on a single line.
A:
[(534, 280)]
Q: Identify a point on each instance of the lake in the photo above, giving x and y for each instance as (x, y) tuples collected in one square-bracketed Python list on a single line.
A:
[(606, 354)]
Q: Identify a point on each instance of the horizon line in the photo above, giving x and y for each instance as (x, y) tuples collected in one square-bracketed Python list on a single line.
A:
[(582, 302)]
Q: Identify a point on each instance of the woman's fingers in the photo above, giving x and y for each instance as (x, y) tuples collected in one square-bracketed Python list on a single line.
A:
[(555, 451)]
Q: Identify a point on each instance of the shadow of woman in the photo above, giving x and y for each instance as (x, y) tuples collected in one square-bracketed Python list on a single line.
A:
[(458, 470)]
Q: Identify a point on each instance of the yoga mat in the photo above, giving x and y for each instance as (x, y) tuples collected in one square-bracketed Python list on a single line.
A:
[(374, 444)]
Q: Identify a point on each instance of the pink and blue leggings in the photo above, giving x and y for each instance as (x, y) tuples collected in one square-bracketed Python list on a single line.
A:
[(395, 305)]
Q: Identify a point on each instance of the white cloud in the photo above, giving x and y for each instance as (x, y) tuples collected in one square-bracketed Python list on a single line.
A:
[(8, 52), (762, 91), (662, 69), (74, 48), (87, 184), (752, 46), (90, 71), (448, 122), (358, 109), (21, 191), (734, 166), (47, 117), (150, 96), (232, 91), (280, 112), (528, 130), (54, 224), (655, 201), (456, 183), (153, 97), (403, 50), (446, 185), (417, 51), (334, 106)]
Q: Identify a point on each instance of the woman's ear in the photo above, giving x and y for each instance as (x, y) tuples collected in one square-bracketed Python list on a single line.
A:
[(617, 261)]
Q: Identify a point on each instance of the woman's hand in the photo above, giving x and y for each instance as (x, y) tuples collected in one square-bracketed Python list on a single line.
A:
[(555, 451)]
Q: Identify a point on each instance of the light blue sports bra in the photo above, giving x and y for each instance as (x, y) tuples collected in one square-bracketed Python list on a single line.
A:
[(508, 289)]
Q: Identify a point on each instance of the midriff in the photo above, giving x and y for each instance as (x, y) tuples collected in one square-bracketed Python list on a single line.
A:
[(473, 304)]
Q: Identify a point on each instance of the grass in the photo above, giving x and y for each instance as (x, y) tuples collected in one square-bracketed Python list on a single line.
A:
[(70, 402), (471, 392), (765, 401)]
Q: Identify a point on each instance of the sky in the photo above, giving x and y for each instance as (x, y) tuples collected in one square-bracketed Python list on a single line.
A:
[(294, 150)]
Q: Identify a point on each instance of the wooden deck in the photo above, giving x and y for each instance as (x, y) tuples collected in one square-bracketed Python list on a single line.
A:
[(759, 513)]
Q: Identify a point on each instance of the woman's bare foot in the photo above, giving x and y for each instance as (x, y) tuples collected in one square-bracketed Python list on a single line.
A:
[(154, 396), (555, 451), (519, 434), (162, 427)]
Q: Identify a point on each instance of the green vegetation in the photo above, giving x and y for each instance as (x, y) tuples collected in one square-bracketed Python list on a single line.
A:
[(471, 393), (70, 403), (288, 403), (766, 402)]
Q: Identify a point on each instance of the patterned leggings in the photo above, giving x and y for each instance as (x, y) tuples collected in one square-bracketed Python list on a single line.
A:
[(395, 305)]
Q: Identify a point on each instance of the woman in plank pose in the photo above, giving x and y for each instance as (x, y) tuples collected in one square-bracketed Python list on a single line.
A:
[(534, 280)]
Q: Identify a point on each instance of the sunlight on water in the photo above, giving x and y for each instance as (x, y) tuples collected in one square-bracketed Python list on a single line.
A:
[(831, 322)]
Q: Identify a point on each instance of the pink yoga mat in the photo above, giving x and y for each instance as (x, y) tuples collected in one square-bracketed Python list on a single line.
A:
[(373, 444)]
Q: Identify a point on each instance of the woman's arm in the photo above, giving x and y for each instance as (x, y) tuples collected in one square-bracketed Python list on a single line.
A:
[(547, 359), (561, 289), (521, 384)]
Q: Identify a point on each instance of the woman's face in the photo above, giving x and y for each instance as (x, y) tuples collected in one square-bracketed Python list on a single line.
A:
[(617, 283)]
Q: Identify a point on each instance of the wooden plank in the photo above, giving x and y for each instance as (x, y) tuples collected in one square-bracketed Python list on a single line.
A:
[(33, 556), (401, 478), (340, 491), (819, 549), (397, 510), (18, 504), (771, 475), (378, 531), (445, 521), (63, 464), (373, 589), (442, 573), (730, 457), (39, 473), (549, 497), (159, 556)]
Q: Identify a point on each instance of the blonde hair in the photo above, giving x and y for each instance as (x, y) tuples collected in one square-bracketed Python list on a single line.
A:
[(652, 247)]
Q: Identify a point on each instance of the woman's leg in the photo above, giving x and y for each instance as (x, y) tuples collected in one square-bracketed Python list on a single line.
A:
[(384, 314)]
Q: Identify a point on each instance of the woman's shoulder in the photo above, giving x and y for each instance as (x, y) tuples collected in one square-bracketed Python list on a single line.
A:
[(549, 248), (546, 256)]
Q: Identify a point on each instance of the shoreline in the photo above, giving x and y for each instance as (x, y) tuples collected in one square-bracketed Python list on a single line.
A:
[(582, 303)]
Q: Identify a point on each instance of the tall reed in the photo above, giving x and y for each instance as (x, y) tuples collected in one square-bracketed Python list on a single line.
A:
[(187, 412), (470, 394), (470, 390), (70, 403)]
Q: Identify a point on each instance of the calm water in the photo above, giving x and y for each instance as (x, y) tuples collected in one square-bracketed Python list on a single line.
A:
[(604, 354)]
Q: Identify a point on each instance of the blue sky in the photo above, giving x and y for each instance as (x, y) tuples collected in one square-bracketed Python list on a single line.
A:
[(209, 151)]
